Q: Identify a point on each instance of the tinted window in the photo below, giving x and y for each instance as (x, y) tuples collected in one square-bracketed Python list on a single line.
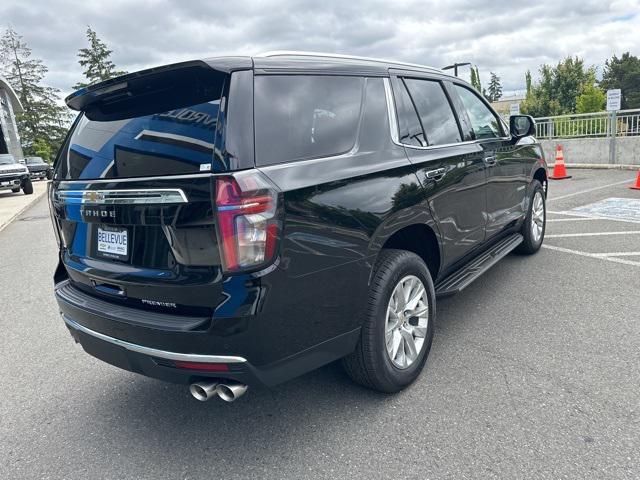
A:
[(485, 124), (435, 112), (167, 142), (410, 130), (303, 116)]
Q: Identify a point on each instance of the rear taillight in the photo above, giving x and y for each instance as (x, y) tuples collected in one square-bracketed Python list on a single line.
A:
[(52, 214), (247, 218)]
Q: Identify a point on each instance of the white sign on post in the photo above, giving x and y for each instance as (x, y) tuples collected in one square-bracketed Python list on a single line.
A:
[(514, 109), (613, 100)]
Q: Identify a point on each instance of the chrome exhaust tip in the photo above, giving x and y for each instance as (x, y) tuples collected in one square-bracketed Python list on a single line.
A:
[(231, 391), (203, 391)]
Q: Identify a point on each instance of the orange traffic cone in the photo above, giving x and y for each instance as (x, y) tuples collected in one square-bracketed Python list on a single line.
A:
[(559, 170), (637, 185)]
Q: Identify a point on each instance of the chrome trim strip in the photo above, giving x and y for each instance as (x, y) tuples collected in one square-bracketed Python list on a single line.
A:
[(143, 196), (139, 179), (395, 135), (153, 352)]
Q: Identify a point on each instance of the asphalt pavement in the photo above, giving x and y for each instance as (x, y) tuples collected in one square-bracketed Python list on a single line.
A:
[(12, 204), (534, 373)]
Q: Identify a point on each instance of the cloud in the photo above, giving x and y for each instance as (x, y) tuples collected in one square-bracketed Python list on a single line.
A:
[(502, 36)]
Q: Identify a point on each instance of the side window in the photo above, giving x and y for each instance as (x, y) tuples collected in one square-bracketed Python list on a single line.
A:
[(439, 123), (408, 122), (299, 117), (485, 124)]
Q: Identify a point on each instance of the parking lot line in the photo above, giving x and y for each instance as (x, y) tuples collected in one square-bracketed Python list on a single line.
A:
[(581, 219), (568, 195), (592, 255), (582, 216), (619, 254), (592, 234)]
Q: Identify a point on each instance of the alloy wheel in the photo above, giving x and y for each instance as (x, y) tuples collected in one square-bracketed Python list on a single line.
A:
[(407, 321), (537, 217)]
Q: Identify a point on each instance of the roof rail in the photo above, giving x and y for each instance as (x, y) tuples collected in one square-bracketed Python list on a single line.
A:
[(284, 53)]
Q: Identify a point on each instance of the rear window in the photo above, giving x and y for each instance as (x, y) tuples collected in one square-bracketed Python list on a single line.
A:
[(299, 117), (178, 140)]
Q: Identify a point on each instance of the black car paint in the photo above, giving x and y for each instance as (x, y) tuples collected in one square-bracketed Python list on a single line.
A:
[(304, 310)]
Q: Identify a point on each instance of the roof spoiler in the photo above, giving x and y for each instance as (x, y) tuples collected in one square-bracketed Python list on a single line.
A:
[(120, 96)]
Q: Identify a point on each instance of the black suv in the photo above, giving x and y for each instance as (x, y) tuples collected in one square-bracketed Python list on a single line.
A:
[(38, 168), (243, 220)]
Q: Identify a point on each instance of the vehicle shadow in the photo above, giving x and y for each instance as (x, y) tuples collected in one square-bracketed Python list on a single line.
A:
[(164, 419), (8, 193)]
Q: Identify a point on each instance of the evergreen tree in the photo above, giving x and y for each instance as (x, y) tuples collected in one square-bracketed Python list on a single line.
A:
[(96, 62), (495, 88), (527, 79), (475, 79), (623, 73), (44, 119)]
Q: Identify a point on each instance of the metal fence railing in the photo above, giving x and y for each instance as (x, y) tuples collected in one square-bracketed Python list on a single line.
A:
[(623, 123)]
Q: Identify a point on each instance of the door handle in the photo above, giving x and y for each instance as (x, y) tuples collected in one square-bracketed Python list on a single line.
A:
[(490, 160), (436, 174)]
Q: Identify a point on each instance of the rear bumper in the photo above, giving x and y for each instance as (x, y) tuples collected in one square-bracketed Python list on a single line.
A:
[(102, 335)]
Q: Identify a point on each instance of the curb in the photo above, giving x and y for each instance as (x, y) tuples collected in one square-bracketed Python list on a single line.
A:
[(33, 200), (597, 166)]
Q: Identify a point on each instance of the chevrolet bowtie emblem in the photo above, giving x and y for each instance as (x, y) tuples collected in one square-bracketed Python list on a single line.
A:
[(93, 197)]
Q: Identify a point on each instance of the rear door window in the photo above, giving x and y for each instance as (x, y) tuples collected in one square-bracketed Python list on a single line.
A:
[(437, 118), (483, 121), (410, 129), (299, 117)]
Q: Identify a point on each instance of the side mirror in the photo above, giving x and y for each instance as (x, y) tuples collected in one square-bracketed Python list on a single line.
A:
[(522, 126)]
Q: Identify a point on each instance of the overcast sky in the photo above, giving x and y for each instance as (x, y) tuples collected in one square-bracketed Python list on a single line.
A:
[(504, 36)]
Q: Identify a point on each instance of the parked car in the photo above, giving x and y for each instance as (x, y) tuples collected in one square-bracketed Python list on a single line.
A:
[(38, 168), (14, 175), (240, 221)]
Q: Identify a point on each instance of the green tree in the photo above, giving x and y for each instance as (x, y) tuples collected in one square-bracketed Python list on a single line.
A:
[(623, 73), (96, 62), (527, 79), (42, 149), (43, 116), (591, 99), (475, 79), (558, 88), (494, 89)]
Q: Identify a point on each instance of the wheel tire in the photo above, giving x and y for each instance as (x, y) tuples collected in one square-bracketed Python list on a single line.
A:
[(15, 190), (370, 364), (532, 243), (27, 187)]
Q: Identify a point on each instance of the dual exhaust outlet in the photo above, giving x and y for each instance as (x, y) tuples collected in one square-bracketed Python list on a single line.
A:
[(227, 391)]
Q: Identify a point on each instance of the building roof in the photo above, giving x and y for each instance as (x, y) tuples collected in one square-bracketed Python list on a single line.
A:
[(15, 101)]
